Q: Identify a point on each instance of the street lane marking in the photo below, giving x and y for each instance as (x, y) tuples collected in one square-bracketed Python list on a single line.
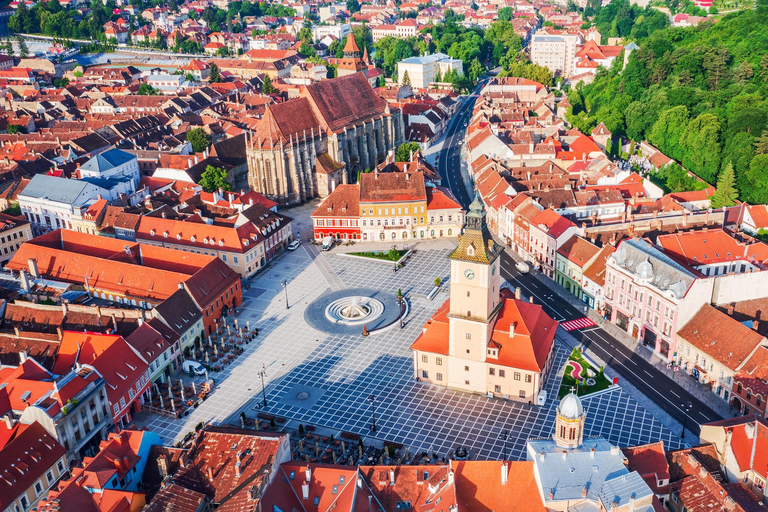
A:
[(579, 323)]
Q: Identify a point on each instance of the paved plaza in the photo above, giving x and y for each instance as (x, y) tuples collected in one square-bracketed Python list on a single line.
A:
[(326, 379)]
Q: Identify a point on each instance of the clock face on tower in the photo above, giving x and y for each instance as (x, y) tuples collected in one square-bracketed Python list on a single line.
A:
[(469, 273)]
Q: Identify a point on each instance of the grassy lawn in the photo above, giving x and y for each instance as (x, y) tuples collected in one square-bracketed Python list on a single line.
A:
[(391, 255), (575, 363)]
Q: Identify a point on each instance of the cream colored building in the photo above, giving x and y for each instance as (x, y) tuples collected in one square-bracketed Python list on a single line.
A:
[(483, 340), (14, 231), (557, 52), (423, 70)]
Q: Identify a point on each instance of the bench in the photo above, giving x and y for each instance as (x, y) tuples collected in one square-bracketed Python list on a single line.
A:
[(350, 436)]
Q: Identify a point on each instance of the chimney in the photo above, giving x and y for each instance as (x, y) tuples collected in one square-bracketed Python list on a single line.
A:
[(512, 329), (703, 472), (584, 492), (32, 263), (542, 456), (391, 476), (359, 482), (308, 474), (504, 471), (518, 292), (238, 469), (59, 332), (22, 356), (8, 421), (210, 473), (530, 299), (24, 280), (197, 160), (162, 465), (305, 491), (551, 494), (592, 453), (755, 325)]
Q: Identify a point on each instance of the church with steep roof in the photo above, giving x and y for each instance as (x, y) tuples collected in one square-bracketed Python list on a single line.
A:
[(304, 147), (484, 339)]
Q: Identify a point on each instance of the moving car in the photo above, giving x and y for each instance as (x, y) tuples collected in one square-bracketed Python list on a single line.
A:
[(193, 367), (327, 243), (294, 245), (522, 267)]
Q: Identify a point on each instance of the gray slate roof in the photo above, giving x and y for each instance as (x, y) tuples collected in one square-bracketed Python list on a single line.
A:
[(647, 262), (55, 189), (107, 160), (602, 472)]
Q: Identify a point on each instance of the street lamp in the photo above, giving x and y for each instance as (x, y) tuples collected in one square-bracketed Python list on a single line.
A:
[(504, 436), (372, 398), (262, 374), (686, 407), (394, 262), (285, 287)]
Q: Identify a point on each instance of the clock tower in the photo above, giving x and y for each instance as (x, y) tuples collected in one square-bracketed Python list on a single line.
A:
[(475, 287)]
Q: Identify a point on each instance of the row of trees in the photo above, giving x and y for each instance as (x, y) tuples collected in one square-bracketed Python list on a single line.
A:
[(698, 94)]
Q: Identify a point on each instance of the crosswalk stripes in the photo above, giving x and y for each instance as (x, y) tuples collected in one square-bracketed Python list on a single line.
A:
[(579, 323)]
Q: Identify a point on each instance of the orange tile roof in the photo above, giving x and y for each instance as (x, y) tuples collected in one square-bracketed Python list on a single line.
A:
[(440, 199), (711, 246), (529, 348), (479, 486), (722, 338), (650, 461)]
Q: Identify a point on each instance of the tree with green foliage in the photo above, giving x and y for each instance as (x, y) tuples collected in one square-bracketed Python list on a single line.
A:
[(200, 139), (8, 47), (353, 6), (761, 143), (214, 178), (505, 14), (405, 150), (726, 194), (406, 80), (756, 177), (60, 82), (266, 86), (23, 50), (214, 76), (189, 77), (147, 90)]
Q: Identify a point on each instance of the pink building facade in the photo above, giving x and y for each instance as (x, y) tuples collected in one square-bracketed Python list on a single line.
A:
[(649, 295)]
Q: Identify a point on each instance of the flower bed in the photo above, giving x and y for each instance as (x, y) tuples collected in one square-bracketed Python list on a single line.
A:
[(580, 374)]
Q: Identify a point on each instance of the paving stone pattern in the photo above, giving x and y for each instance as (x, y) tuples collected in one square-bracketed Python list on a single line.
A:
[(338, 373)]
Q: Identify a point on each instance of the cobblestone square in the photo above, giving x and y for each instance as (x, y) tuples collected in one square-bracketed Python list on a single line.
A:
[(325, 380)]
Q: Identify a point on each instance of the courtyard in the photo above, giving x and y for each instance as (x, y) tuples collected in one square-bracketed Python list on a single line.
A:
[(326, 379)]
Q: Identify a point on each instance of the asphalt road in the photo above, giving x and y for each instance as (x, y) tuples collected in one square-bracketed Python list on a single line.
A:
[(659, 388)]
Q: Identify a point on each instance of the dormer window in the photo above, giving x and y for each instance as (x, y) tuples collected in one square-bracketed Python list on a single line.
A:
[(471, 250), (178, 237), (165, 234), (221, 243), (192, 238), (205, 241), (246, 242), (151, 232)]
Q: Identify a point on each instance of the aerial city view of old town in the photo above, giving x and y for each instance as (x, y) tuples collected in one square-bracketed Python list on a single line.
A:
[(383, 255)]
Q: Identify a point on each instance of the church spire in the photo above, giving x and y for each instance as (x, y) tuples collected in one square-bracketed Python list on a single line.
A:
[(351, 50), (476, 243)]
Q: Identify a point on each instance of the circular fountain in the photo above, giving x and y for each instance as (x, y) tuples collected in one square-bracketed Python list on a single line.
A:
[(354, 310), (347, 311)]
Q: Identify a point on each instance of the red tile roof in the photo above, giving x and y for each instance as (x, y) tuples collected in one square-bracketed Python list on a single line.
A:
[(528, 349), (25, 459), (650, 461)]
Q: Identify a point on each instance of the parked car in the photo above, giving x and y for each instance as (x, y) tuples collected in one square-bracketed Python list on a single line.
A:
[(327, 243), (193, 367), (522, 267), (294, 245), (542, 398)]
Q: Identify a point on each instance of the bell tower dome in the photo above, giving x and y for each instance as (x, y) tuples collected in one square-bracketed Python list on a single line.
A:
[(569, 424)]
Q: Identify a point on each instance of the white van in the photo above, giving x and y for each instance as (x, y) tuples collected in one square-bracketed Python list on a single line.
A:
[(193, 367), (327, 243)]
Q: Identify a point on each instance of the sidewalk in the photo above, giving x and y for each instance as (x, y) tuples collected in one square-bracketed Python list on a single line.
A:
[(701, 391)]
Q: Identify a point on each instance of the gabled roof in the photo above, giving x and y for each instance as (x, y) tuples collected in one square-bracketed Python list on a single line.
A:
[(722, 338), (26, 459)]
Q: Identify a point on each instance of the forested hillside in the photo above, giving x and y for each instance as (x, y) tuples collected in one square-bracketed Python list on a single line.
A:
[(698, 94)]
